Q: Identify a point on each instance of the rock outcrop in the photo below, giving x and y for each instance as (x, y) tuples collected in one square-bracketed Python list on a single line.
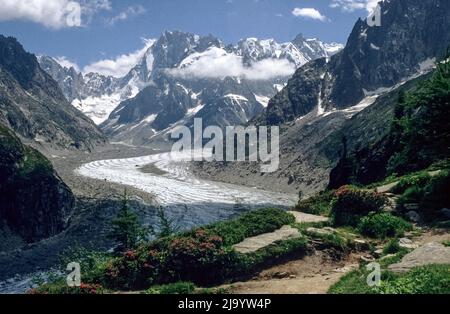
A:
[(32, 104), (34, 202)]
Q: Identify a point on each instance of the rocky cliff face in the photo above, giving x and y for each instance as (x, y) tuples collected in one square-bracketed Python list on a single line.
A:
[(32, 104), (34, 202), (412, 34)]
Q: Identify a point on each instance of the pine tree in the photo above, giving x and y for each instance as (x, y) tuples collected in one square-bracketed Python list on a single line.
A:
[(126, 231), (165, 226)]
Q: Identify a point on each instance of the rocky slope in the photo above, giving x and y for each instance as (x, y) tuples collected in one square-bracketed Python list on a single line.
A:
[(94, 94), (412, 34), (34, 202), (32, 104), (352, 95), (416, 137)]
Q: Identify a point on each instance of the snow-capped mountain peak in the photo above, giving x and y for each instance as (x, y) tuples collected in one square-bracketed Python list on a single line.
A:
[(201, 65)]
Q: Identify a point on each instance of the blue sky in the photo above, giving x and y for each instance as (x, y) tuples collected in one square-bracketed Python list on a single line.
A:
[(110, 28)]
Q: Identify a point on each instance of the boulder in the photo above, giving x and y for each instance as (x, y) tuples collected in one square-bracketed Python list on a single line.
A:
[(317, 231), (445, 212), (429, 254), (413, 216), (407, 243), (306, 218)]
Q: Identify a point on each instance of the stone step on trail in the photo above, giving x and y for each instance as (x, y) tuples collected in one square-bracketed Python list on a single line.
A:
[(253, 244), (307, 218), (386, 188)]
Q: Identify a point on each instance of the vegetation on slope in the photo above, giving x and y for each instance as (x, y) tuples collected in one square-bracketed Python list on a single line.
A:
[(432, 279), (204, 256), (419, 136), (34, 202)]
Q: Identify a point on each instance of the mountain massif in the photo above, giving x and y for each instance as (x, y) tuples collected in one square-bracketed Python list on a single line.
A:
[(181, 77)]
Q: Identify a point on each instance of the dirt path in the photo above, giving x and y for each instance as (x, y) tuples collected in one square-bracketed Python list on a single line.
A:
[(311, 275)]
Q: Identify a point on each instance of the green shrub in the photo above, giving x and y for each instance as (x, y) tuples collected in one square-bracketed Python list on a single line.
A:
[(351, 204), (412, 195), (417, 180), (431, 198), (433, 279), (201, 259), (92, 263), (135, 270), (441, 164), (436, 193), (392, 247), (61, 287), (383, 225), (319, 204), (173, 288), (203, 256)]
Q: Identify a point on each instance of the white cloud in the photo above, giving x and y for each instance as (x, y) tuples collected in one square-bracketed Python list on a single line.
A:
[(353, 5), (121, 65), (66, 63), (51, 13), (128, 13), (310, 13), (217, 63)]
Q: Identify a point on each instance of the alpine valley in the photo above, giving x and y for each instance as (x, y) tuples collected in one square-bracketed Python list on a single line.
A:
[(87, 176)]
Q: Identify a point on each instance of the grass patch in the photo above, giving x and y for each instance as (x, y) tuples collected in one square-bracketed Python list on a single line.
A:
[(392, 247), (419, 179), (352, 283), (432, 279), (173, 288)]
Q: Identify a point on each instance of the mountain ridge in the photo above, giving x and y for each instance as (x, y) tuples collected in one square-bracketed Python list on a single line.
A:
[(32, 104), (167, 53)]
